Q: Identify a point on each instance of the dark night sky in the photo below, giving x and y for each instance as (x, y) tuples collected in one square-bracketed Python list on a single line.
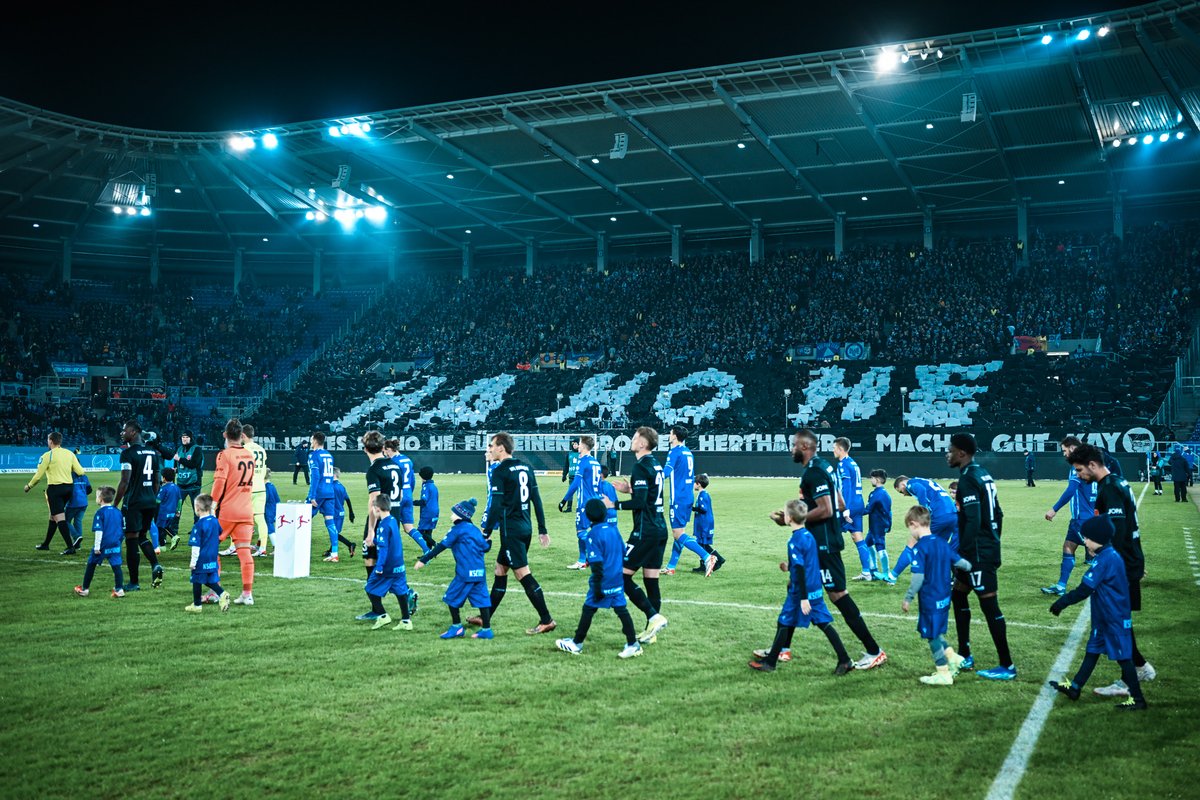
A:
[(226, 66)]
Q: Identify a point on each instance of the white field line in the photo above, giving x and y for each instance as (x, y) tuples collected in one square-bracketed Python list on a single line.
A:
[(1004, 787), (1191, 549)]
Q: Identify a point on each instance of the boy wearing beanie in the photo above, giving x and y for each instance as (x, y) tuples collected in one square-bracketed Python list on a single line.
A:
[(468, 545), (428, 503)]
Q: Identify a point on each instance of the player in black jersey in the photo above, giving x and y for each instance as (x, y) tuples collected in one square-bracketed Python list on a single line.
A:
[(648, 539), (383, 477), (979, 524), (140, 464), (820, 492), (513, 492)]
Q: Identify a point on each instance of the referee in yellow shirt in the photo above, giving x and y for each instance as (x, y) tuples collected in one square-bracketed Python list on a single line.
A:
[(60, 468), (258, 489)]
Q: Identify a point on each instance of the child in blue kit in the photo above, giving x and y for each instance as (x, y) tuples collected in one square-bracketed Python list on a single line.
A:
[(109, 527), (204, 540), (704, 524), (1107, 584), (879, 522), (932, 560), (76, 507), (269, 509), (166, 525), (468, 545), (606, 587), (428, 503), (341, 505), (805, 603), (389, 574)]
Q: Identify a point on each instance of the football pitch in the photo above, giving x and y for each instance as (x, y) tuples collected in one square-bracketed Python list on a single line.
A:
[(293, 698)]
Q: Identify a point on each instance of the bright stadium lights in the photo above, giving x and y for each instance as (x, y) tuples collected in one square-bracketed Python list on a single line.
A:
[(241, 143), (36, 225), (265, 239), (449, 176), (116, 209), (940, 53), (270, 141), (612, 219), (864, 197), (179, 191), (1136, 103), (1162, 137), (741, 145), (131, 211), (335, 131), (1103, 31), (310, 216), (1083, 35), (1147, 139), (887, 60), (595, 160), (145, 211), (1047, 39), (344, 216), (366, 127), (904, 58), (928, 126), (358, 214), (1131, 140), (1061, 182), (377, 214), (1179, 135), (467, 231), (1116, 142), (924, 54)]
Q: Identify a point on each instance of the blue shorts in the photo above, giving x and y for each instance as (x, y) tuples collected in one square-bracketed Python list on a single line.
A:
[(703, 537), (379, 585), (680, 515), (474, 592), (209, 577), (615, 600), (1075, 531), (947, 531), (326, 509), (340, 521), (791, 615), (877, 540), (403, 512), (1112, 640), (853, 526), (932, 622), (113, 558), (582, 524)]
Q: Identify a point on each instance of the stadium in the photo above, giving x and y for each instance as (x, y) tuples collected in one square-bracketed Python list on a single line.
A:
[(947, 284)]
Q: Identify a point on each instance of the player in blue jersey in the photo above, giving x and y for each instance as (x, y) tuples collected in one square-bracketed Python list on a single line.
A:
[(321, 490), (933, 564), (569, 471), (206, 567), (342, 505), (606, 586), (428, 503), (878, 512), (704, 524), (403, 510), (586, 482), (680, 475), (468, 544), (850, 479), (944, 513), (1107, 585), (81, 487), (805, 603), (1081, 496), (609, 492), (109, 528), (170, 500), (389, 574)]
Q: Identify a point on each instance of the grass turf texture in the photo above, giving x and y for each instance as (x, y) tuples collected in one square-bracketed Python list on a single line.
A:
[(134, 698)]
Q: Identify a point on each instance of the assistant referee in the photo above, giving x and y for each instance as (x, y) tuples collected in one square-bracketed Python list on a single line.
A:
[(60, 468)]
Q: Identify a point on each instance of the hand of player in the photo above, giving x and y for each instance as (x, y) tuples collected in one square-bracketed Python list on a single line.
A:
[(378, 572), (904, 606), (351, 519), (846, 516), (562, 506), (608, 503), (312, 503), (805, 607), (420, 564), (1050, 515), (783, 566), (1057, 608), (621, 486), (777, 517), (544, 538)]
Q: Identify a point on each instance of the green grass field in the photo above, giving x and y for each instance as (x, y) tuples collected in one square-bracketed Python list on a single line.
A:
[(292, 698)]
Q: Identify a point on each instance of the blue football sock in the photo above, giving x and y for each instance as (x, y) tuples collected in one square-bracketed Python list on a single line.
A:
[(864, 554), (582, 537), (883, 560), (903, 561), (1068, 564), (331, 526), (689, 542), (676, 552), (154, 535), (418, 538)]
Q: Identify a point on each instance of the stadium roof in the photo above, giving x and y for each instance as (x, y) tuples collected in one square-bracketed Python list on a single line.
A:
[(875, 133)]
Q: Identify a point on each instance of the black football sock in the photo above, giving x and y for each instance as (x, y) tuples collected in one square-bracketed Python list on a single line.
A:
[(585, 622), (626, 624), (485, 618), (455, 617), (962, 621), (216, 587), (65, 530), (88, 572), (133, 557), (1085, 670), (533, 591), (148, 551), (1130, 676), (638, 597), (196, 589), (835, 641), (499, 587), (998, 628), (856, 623), (1139, 660), (404, 612), (369, 568), (345, 541), (782, 638), (429, 540), (653, 593), (377, 605), (51, 527)]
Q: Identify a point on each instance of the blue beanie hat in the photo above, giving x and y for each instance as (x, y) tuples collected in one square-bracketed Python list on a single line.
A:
[(595, 510), (1099, 529), (465, 509)]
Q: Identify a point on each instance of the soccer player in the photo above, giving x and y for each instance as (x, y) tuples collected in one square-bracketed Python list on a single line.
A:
[(805, 603), (942, 511), (302, 461), (933, 563), (189, 469), (704, 524), (680, 475), (170, 497), (389, 573), (514, 493), (321, 491), (81, 487), (383, 478), (1030, 462), (60, 468), (980, 520), (587, 480), (259, 494), (203, 541), (109, 529), (606, 586), (232, 493), (403, 510), (428, 503), (1156, 471), (648, 538), (1114, 500), (341, 505), (139, 489), (851, 485), (819, 490), (1112, 620), (878, 512), (468, 545), (1082, 497), (570, 470)]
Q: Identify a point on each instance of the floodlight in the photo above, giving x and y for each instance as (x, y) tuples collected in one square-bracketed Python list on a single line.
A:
[(179, 191), (1083, 35), (1147, 139), (864, 197), (131, 211), (265, 239), (310, 216), (377, 214), (1047, 39), (449, 176), (928, 126), (1131, 140), (366, 127), (595, 161), (145, 211), (1136, 103), (1162, 137), (1179, 135), (612, 219), (1061, 182), (358, 214), (1116, 142), (334, 132), (887, 60), (1103, 31), (36, 225), (741, 145), (116, 209), (904, 58), (468, 230), (939, 52), (270, 141)]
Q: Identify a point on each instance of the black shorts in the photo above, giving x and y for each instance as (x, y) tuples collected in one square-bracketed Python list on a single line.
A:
[(371, 553), (1135, 594), (644, 554), (981, 579), (514, 552), (58, 495), (137, 520), (833, 571)]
